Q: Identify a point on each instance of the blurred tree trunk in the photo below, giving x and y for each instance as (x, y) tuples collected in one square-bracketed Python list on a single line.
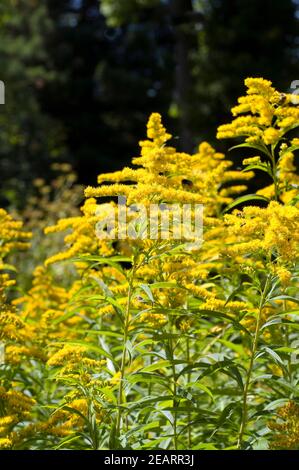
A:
[(181, 11)]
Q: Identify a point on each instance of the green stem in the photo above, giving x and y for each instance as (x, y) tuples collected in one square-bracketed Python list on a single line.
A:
[(174, 384), (175, 438), (189, 380), (120, 397), (274, 174), (244, 420), (285, 331)]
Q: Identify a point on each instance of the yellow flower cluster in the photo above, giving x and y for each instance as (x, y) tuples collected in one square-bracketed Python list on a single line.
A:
[(268, 114), (286, 428), (81, 342), (12, 236), (273, 230)]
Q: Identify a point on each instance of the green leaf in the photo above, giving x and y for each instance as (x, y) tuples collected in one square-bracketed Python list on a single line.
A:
[(107, 392), (225, 415), (148, 401), (284, 297), (118, 308), (273, 321), (148, 292), (204, 446), (149, 378), (247, 198), (202, 387), (155, 366), (233, 294), (76, 412), (265, 168), (153, 426), (238, 348), (285, 349), (294, 201), (274, 356), (112, 261), (234, 372), (252, 146), (217, 314), (227, 367), (276, 404), (107, 292), (66, 440)]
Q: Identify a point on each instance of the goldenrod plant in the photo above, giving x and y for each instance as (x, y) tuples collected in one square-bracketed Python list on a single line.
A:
[(165, 341)]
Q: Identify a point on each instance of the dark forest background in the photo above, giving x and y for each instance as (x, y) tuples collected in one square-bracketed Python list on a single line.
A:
[(82, 77)]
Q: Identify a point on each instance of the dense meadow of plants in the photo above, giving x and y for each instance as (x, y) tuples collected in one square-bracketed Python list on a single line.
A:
[(146, 343)]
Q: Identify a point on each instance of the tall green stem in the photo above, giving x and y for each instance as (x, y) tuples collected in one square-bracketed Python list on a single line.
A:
[(120, 398), (274, 174), (250, 368), (175, 438), (189, 380), (174, 383)]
